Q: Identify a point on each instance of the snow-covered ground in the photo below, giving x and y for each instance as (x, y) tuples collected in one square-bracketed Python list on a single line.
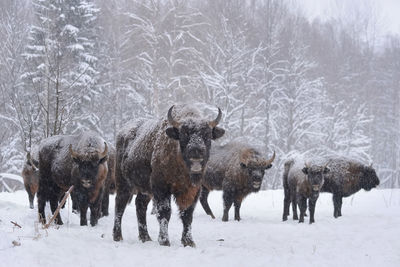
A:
[(368, 234)]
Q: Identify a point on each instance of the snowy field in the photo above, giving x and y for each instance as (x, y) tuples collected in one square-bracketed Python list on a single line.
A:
[(368, 234)]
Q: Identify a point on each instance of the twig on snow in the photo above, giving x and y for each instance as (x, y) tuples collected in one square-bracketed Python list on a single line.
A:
[(59, 207)]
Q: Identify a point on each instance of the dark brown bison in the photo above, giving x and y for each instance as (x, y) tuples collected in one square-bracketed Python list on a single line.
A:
[(109, 185), (346, 178), (301, 182), (30, 174), (238, 170), (160, 158), (79, 160)]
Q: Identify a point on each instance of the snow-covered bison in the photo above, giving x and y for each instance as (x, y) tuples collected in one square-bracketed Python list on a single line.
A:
[(160, 158), (238, 170), (302, 181), (109, 184), (346, 178), (30, 174), (79, 160)]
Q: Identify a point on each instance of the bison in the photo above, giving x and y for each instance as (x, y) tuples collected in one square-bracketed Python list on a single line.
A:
[(346, 178), (160, 158), (238, 170), (109, 185), (302, 182), (30, 174), (79, 160)]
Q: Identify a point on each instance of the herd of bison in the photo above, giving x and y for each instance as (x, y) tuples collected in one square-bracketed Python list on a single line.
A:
[(155, 159)]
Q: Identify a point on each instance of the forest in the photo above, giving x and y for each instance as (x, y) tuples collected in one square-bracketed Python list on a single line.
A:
[(283, 82)]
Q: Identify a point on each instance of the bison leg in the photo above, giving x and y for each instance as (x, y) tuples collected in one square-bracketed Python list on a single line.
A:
[(294, 205), (30, 196), (163, 203), (187, 218), (95, 209), (237, 204), (53, 206), (303, 207), (311, 207), (121, 200), (75, 203), (142, 202), (286, 204), (105, 202), (204, 201), (337, 205), (228, 200), (83, 205)]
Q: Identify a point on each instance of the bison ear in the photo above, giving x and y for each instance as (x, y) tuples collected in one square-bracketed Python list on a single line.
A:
[(305, 170), (243, 165), (326, 170), (268, 166), (217, 132), (173, 133)]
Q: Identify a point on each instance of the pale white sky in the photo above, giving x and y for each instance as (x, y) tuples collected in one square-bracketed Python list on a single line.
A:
[(387, 12)]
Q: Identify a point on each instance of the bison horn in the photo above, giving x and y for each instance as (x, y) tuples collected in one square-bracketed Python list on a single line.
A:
[(268, 162), (74, 155), (173, 122), (29, 158), (102, 155), (216, 121)]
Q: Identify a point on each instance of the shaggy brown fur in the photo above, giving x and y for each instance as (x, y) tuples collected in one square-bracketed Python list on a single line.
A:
[(238, 170), (157, 160), (30, 174), (346, 178), (73, 160)]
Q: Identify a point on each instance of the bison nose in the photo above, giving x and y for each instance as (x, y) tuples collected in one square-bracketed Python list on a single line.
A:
[(196, 165), (315, 187), (86, 183)]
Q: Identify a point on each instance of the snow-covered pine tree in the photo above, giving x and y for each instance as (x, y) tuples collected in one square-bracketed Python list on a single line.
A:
[(61, 61)]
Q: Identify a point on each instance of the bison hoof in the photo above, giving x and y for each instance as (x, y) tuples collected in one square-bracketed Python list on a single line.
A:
[(284, 218), (237, 219), (144, 238), (117, 237), (301, 220), (164, 243), (295, 218), (59, 221), (104, 214), (188, 243), (212, 216), (31, 206), (225, 218), (93, 223), (312, 221)]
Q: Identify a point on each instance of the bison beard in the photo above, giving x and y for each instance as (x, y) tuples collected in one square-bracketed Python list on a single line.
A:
[(157, 160), (73, 160)]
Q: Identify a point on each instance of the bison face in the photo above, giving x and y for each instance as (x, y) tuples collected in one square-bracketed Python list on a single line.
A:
[(255, 168), (195, 142), (315, 176), (31, 166), (369, 179), (85, 168)]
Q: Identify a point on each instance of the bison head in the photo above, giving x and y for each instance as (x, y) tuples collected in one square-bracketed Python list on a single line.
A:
[(86, 166), (315, 176), (32, 163), (255, 168), (369, 179), (194, 138)]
